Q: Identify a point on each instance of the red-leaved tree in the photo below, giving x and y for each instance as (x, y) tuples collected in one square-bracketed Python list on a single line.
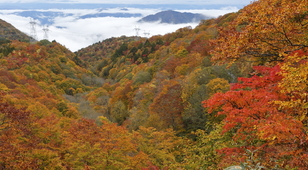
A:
[(261, 129)]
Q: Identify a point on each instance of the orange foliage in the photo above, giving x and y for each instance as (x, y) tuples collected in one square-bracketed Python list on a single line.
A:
[(168, 105), (264, 31), (258, 123)]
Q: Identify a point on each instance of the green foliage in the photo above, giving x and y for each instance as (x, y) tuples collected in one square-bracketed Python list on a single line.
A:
[(91, 80), (202, 153), (101, 65), (44, 42), (182, 52), (70, 86), (194, 115), (204, 75), (206, 62), (5, 49), (119, 112), (141, 78), (62, 107), (4, 41), (119, 52)]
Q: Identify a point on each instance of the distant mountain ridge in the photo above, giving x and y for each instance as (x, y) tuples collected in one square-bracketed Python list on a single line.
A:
[(117, 15), (48, 17), (174, 17)]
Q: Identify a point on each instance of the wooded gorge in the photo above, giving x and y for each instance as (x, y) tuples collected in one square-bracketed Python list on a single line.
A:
[(232, 91)]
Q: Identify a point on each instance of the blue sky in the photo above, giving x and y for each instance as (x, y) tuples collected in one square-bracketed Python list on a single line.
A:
[(244, 2)]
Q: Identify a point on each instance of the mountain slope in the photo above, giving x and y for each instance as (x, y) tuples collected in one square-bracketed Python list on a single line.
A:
[(163, 103), (94, 53), (9, 32), (142, 71)]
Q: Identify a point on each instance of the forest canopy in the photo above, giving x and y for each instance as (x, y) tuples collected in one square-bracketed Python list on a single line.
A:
[(230, 92)]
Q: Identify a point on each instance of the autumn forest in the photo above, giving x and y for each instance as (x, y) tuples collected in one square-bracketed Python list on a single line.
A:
[(231, 92)]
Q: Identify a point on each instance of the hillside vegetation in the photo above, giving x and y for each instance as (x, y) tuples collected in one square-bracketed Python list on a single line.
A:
[(8, 32), (232, 91)]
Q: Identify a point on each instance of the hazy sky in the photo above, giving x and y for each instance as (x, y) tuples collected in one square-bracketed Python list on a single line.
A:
[(244, 2)]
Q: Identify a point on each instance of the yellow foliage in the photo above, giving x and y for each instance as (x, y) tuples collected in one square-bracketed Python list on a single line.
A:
[(181, 52), (294, 83), (182, 70), (218, 85), (161, 147), (202, 154), (38, 109), (3, 87), (264, 29)]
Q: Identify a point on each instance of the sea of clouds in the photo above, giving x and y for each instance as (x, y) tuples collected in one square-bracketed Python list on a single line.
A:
[(75, 32)]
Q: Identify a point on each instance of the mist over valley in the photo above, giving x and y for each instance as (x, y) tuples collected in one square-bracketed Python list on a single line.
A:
[(79, 25)]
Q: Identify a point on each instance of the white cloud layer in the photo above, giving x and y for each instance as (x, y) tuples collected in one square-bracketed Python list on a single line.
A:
[(134, 1), (75, 33)]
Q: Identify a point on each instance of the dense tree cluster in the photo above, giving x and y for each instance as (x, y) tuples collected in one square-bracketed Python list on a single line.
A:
[(163, 102)]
